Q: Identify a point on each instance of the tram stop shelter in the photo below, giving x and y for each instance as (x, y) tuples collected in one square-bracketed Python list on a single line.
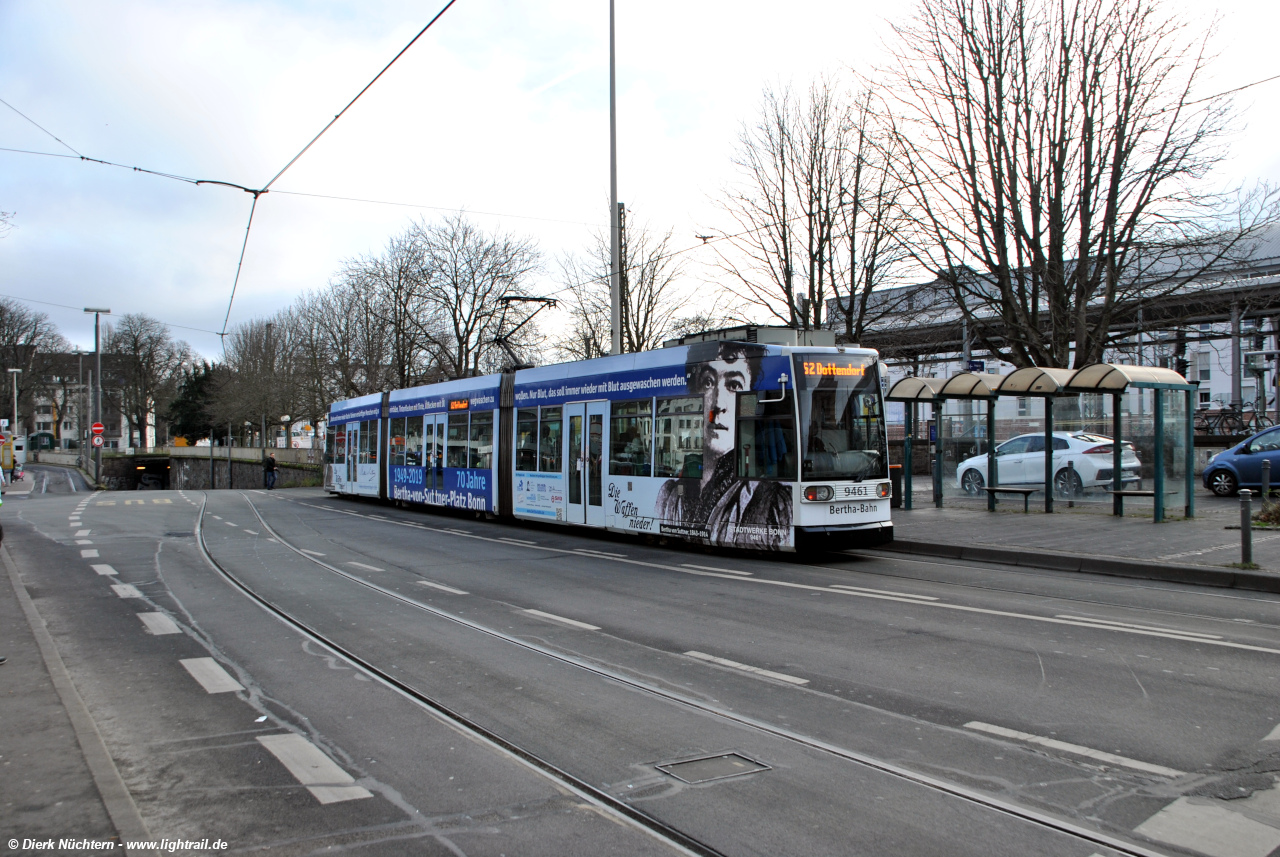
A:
[(1159, 420)]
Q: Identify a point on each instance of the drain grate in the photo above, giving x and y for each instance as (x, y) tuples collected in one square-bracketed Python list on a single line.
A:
[(718, 766)]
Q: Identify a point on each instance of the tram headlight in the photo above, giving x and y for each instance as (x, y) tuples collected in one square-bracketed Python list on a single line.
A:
[(884, 490), (819, 493)]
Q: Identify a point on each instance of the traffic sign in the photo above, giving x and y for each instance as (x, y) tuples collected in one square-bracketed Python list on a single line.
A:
[(3, 440), (97, 440), (97, 429)]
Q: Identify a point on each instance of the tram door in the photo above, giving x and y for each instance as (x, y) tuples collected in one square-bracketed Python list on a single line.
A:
[(353, 455), (585, 462), (434, 431)]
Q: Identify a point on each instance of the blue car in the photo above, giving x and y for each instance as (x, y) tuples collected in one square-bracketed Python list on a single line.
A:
[(1241, 465)]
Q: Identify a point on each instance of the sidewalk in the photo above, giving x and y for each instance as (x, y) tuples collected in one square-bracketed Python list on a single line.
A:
[(1087, 539)]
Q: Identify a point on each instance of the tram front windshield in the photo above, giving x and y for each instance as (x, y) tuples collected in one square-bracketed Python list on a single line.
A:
[(842, 431)]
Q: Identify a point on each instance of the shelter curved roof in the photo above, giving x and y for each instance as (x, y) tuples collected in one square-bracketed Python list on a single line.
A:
[(971, 385), (916, 389), (1035, 380), (1116, 377)]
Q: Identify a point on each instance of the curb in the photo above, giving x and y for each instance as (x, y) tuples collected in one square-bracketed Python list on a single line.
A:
[(1199, 575)]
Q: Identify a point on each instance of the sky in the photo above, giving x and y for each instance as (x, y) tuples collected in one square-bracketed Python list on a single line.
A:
[(499, 110)]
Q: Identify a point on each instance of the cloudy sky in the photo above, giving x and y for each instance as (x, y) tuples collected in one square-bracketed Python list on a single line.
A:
[(501, 109)]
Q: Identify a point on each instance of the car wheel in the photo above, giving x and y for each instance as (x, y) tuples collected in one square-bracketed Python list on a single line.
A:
[(1223, 483), (972, 482), (1066, 483)]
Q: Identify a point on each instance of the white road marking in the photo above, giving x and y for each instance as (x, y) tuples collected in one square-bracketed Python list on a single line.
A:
[(229, 524), (159, 624), (724, 662), (104, 569), (1210, 829), (311, 553), (1073, 749), (554, 618), (89, 553), (322, 777), (84, 541), (212, 677), (516, 541), (884, 592), (1273, 735), (125, 590), (1141, 627), (718, 570), (81, 533), (366, 567), (441, 586), (593, 551), (218, 517), (252, 532)]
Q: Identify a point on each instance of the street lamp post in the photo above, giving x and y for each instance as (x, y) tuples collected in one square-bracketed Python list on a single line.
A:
[(97, 393), (13, 431)]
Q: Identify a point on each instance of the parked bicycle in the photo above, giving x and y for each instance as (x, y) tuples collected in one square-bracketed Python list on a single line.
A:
[(1231, 421)]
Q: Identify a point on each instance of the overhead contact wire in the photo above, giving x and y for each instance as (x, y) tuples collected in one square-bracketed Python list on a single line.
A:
[(361, 92)]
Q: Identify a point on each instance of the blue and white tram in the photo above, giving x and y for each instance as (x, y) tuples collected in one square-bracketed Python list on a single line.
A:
[(736, 444)]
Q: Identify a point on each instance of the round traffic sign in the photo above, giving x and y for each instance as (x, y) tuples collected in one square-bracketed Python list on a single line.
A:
[(97, 429), (97, 440)]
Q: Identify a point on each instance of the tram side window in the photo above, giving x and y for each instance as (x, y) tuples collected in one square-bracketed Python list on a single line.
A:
[(527, 439), (397, 442), (678, 438), (550, 445), (413, 441), (455, 449), (362, 451), (631, 438), (766, 437), (481, 446)]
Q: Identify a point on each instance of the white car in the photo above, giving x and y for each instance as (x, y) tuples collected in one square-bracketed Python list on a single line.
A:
[(1020, 461)]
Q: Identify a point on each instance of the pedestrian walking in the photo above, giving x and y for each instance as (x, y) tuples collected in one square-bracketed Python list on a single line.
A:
[(269, 471)]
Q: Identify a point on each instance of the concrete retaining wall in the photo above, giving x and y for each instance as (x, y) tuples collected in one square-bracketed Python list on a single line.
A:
[(193, 474)]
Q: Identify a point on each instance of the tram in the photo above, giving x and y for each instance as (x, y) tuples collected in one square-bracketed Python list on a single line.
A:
[(716, 440)]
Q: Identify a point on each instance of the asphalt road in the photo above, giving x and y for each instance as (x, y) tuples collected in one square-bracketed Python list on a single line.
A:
[(850, 704)]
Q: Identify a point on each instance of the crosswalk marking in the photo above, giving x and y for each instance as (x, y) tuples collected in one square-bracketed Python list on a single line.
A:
[(1210, 829), (89, 553), (125, 590), (212, 677), (159, 624), (320, 774), (104, 569)]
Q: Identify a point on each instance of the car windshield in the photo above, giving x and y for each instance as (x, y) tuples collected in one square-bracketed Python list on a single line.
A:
[(842, 429)]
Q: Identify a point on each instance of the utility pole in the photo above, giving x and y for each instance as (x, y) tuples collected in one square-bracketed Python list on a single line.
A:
[(615, 228), (97, 393), (13, 431), (624, 283)]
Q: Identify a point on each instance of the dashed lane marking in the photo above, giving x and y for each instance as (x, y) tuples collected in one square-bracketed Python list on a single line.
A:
[(212, 677), (593, 552), (252, 532), (310, 553), (1074, 749), (366, 567), (81, 533), (229, 524), (135, 502), (515, 541), (104, 569), (1210, 829), (717, 570), (327, 782), (441, 586), (126, 590), (159, 624), (89, 553), (573, 623), (747, 668), (84, 541), (1109, 623), (884, 592)]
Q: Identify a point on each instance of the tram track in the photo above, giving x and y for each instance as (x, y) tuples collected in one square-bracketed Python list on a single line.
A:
[(602, 799)]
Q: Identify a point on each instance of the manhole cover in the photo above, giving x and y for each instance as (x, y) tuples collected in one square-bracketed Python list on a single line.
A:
[(715, 767)]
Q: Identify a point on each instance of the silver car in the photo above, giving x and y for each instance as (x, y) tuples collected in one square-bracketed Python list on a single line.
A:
[(1020, 461)]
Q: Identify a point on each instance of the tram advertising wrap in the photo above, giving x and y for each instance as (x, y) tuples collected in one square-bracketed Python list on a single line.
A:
[(713, 442)]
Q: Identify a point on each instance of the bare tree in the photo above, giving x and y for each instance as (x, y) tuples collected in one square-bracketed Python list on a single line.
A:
[(465, 272), (28, 341), (152, 363), (1055, 151), (820, 210), (658, 301)]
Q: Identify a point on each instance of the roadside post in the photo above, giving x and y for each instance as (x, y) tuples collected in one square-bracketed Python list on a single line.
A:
[(1266, 482), (1246, 527)]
